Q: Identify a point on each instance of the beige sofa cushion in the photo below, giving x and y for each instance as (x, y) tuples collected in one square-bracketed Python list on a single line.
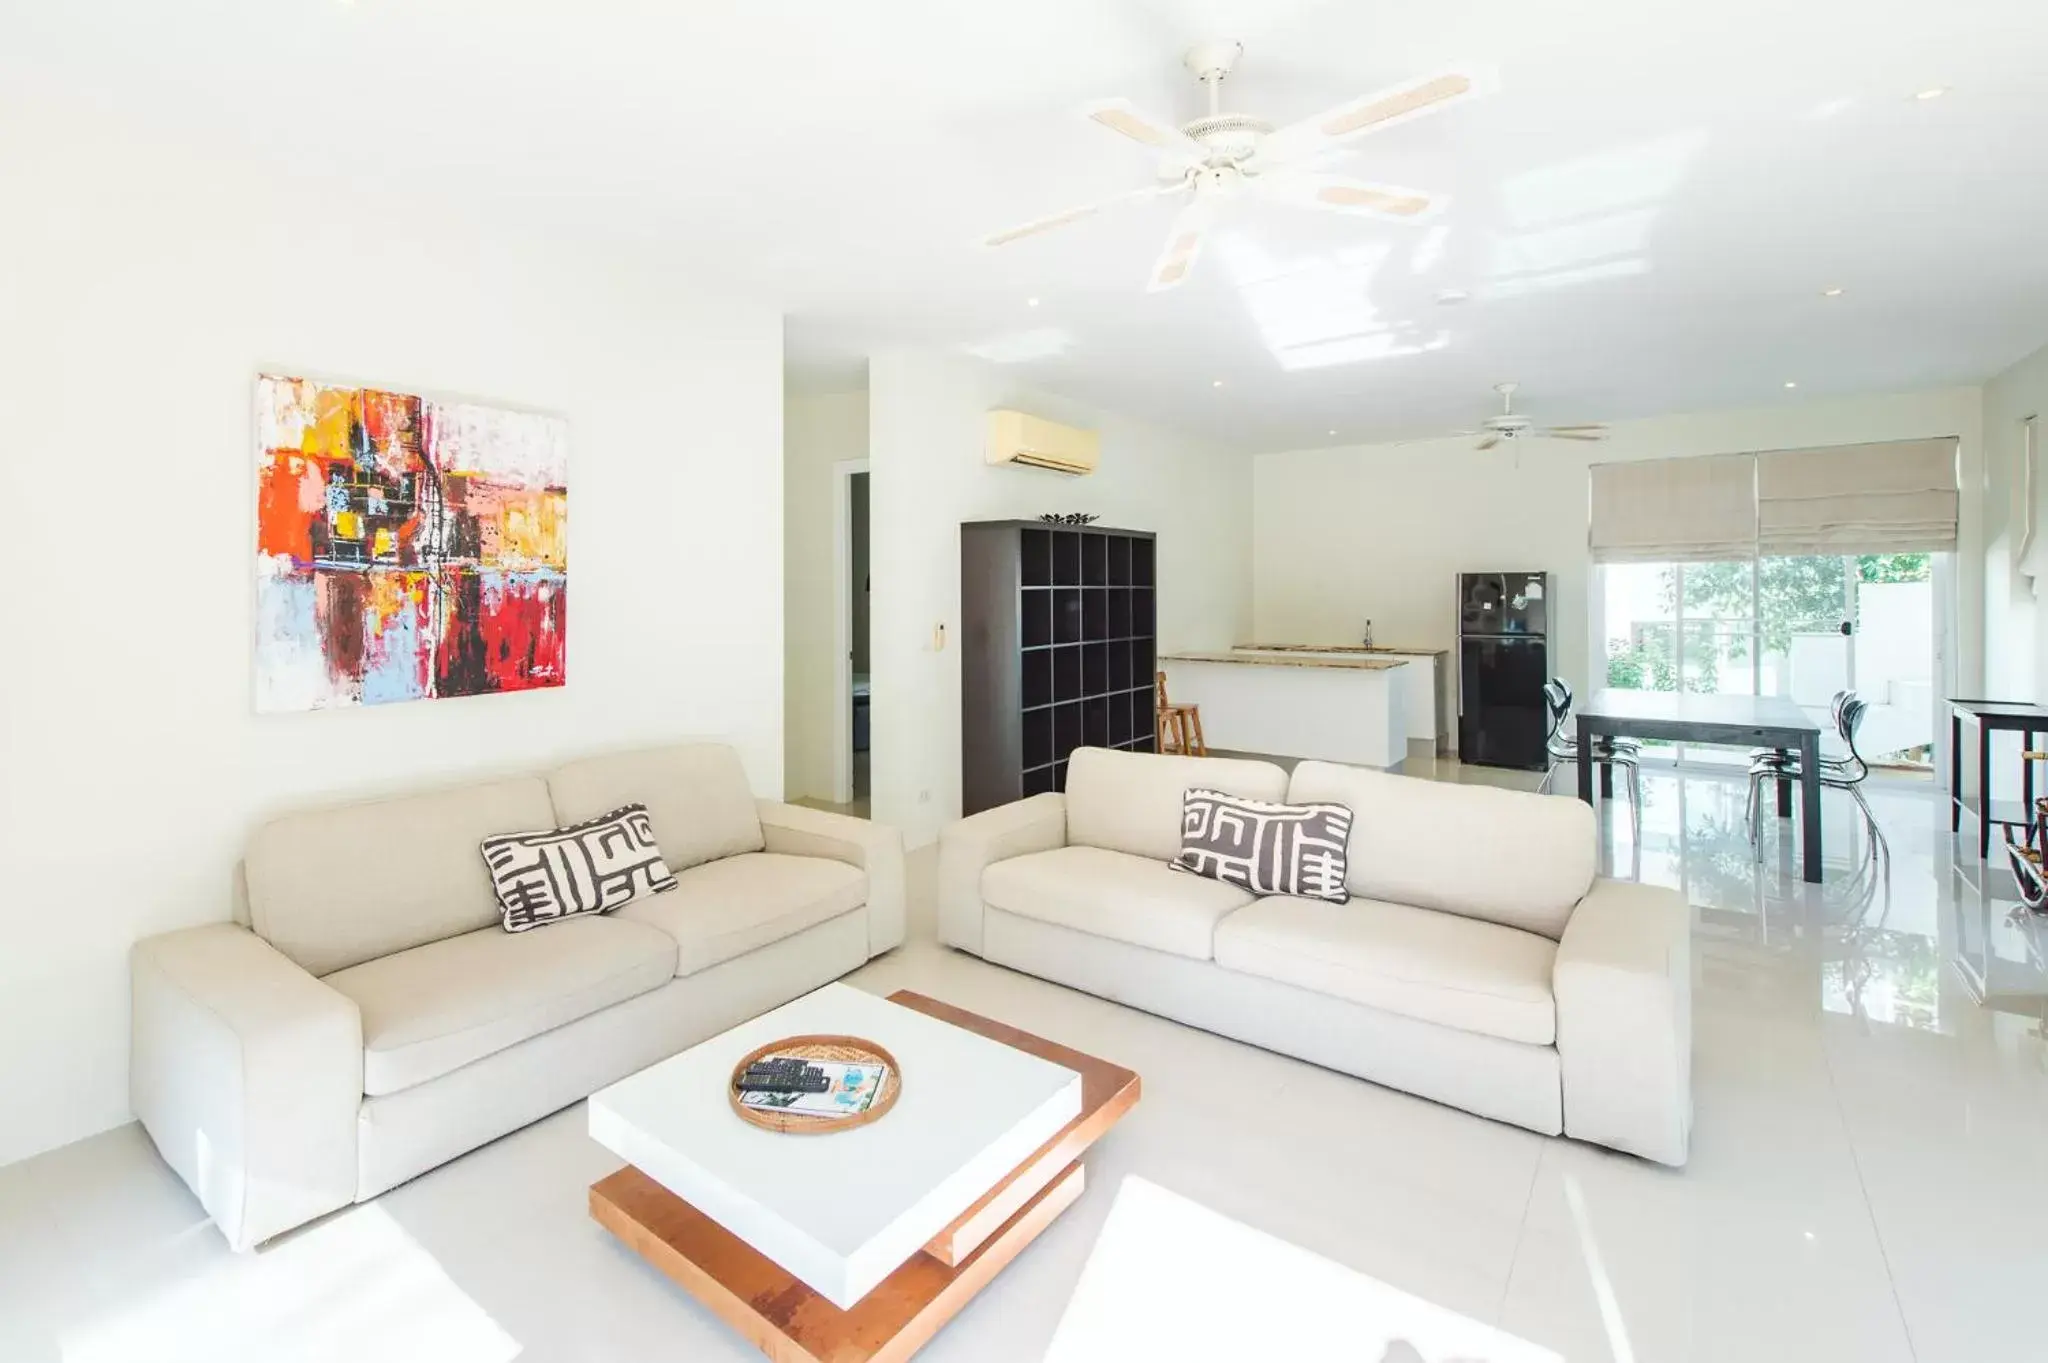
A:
[(696, 794), (1505, 856), (433, 1009), (332, 888), (1114, 894), (1434, 967), (735, 905), (1130, 802)]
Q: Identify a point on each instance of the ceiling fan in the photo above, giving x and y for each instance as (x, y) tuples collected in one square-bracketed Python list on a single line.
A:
[(1223, 155), (1513, 425)]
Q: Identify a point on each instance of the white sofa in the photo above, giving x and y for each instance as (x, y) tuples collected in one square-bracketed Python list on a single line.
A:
[(1480, 962), (370, 1019)]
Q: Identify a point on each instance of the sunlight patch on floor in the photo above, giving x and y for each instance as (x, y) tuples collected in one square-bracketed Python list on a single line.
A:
[(1168, 1278), (351, 1289)]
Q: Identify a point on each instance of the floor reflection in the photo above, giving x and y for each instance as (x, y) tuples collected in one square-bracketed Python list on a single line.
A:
[(1913, 932), (1882, 930)]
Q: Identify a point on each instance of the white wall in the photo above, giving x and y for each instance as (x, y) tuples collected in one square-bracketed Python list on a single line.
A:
[(142, 289), (1381, 532), (2015, 642), (819, 430), (926, 420)]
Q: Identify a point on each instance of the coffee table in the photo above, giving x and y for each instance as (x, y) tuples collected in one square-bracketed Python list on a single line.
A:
[(856, 1246)]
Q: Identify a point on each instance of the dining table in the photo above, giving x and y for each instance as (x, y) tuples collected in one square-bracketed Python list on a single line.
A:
[(1775, 722)]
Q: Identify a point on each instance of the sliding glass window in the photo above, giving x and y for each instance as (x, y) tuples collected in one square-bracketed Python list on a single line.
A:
[(1803, 626)]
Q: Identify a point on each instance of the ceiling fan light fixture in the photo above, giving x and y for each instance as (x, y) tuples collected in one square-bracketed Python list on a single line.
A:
[(1222, 155)]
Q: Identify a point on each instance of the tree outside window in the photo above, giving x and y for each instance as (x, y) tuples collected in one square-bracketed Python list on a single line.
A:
[(1802, 594)]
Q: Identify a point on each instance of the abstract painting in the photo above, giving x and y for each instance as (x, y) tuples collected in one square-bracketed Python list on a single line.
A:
[(406, 548)]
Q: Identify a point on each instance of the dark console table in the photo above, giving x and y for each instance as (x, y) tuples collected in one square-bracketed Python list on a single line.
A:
[(1990, 716)]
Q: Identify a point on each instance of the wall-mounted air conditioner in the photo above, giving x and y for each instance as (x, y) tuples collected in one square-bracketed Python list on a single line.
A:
[(1020, 438)]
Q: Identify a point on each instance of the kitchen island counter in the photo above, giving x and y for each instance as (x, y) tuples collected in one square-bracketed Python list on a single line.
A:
[(1261, 657), (1280, 702), (1427, 682)]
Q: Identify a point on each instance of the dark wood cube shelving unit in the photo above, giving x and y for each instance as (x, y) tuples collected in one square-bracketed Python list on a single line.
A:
[(1058, 650)]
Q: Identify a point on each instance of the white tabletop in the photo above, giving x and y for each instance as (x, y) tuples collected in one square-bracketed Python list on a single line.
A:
[(841, 1211)]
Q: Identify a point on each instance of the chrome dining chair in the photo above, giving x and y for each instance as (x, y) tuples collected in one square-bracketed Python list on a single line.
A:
[(1836, 773), (1834, 722), (1619, 754)]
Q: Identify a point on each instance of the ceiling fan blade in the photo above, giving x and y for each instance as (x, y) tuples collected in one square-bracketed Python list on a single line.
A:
[(1121, 116), (1341, 195), (1382, 109), (1557, 433), (1579, 426), (1032, 229), (1487, 443), (1183, 247)]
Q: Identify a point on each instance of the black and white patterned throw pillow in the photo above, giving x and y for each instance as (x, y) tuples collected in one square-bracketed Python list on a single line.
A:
[(1264, 847), (590, 867)]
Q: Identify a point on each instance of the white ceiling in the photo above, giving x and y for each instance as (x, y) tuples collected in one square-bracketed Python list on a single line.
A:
[(1645, 214)]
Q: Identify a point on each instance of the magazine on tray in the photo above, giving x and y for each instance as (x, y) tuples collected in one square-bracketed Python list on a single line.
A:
[(853, 1090)]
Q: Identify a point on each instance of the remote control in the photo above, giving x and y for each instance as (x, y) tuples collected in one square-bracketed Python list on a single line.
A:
[(812, 1082), (786, 1065), (765, 1083)]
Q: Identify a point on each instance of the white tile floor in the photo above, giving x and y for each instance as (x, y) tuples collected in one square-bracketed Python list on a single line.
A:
[(1869, 1179)]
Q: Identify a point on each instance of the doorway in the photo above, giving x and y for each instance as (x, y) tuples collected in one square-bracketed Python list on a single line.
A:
[(853, 692)]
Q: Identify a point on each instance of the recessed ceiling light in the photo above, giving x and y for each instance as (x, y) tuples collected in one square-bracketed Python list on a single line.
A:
[(1931, 92), (1333, 433), (1451, 296), (1215, 383), (1031, 302), (1791, 383), (1835, 292)]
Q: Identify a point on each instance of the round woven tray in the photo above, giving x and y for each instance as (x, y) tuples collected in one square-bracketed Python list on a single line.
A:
[(847, 1050)]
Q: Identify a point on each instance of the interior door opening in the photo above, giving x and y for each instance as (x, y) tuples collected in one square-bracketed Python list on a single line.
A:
[(857, 640)]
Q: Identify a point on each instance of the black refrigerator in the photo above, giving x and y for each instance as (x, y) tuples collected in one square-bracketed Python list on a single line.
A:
[(1503, 662)]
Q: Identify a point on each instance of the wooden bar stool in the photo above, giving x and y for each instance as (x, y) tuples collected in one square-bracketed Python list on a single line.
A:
[(1180, 726)]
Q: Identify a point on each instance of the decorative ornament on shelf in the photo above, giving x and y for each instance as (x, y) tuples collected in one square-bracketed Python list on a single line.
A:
[(1070, 518)]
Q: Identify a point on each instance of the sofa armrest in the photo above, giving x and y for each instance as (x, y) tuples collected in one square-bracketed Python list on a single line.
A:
[(1624, 1020), (969, 846), (247, 1072), (876, 848)]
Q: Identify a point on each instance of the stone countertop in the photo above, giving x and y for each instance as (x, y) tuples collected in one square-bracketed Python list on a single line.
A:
[(1343, 648), (1279, 658)]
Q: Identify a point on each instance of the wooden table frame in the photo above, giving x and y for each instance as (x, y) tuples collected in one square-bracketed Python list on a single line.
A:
[(793, 1324), (1727, 721), (1990, 716)]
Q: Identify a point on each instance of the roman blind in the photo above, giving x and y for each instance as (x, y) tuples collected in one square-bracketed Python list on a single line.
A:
[(1665, 510), (1897, 497)]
